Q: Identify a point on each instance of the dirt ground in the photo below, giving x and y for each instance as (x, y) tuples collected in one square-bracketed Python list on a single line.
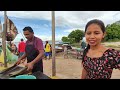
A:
[(65, 68), (69, 68)]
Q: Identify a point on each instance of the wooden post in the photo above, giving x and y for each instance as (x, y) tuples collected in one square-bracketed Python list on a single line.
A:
[(53, 44), (4, 38)]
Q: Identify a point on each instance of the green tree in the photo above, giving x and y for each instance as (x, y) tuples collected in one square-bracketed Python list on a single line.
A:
[(71, 40), (113, 32), (77, 35), (65, 39)]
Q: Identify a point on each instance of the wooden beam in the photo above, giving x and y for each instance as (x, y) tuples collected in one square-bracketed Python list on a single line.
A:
[(53, 45), (4, 38)]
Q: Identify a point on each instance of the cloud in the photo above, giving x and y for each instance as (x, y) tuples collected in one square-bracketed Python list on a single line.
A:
[(46, 25), (29, 14), (45, 38), (70, 30), (80, 18), (71, 19)]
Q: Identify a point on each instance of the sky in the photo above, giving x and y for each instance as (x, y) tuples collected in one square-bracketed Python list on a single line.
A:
[(65, 21)]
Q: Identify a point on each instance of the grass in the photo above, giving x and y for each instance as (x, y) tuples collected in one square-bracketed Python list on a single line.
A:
[(76, 45), (113, 46)]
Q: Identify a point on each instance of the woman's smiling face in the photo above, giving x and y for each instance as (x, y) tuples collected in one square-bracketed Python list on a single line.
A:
[(94, 34)]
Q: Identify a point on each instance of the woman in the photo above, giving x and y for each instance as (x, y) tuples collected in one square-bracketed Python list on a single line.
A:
[(14, 48), (98, 61)]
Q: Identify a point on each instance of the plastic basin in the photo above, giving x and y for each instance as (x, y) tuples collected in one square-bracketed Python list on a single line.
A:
[(24, 77)]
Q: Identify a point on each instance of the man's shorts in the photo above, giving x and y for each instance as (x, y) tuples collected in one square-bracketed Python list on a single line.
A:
[(47, 53)]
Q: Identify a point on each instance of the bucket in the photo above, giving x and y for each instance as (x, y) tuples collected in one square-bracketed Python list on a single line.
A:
[(24, 77)]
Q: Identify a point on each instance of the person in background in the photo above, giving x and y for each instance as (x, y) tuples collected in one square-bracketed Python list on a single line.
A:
[(83, 45), (34, 51), (14, 48), (65, 52), (47, 50), (98, 61), (50, 51), (21, 47)]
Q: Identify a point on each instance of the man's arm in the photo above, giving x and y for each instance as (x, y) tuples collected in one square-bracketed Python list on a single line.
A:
[(23, 56), (19, 59)]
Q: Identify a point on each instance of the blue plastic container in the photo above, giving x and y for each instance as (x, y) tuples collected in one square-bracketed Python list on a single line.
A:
[(24, 77)]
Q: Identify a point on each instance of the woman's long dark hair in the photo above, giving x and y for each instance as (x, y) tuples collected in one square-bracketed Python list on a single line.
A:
[(94, 21)]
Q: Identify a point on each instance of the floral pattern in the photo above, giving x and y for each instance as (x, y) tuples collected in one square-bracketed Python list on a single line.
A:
[(102, 67)]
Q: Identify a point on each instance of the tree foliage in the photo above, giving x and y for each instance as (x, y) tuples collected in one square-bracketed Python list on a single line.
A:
[(112, 32), (77, 35), (74, 37), (65, 39)]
